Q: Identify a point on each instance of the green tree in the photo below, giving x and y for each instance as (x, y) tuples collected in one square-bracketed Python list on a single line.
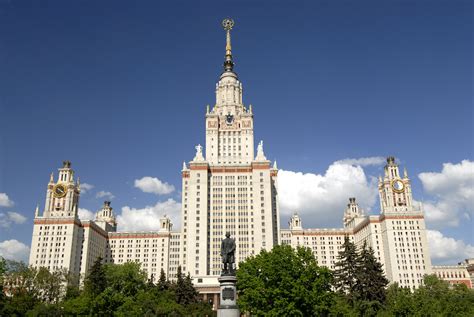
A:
[(342, 308), (95, 282), (42, 309), (199, 309), (15, 266), (461, 302), (3, 269), (49, 285), (399, 301), (77, 306), (22, 289), (72, 285), (150, 283), (149, 303), (126, 279), (437, 298), (107, 302), (284, 282), (190, 293), (163, 283), (184, 289), (432, 296), (346, 268), (369, 290)]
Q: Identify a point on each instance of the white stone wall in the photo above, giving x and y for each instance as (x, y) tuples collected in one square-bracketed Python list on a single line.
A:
[(229, 200), (454, 274), (397, 236), (174, 254), (325, 243), (56, 244), (150, 249), (406, 249), (369, 230), (94, 245), (399, 243), (194, 219)]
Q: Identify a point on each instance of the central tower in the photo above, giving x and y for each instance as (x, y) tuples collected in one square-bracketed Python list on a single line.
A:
[(227, 188), (229, 125)]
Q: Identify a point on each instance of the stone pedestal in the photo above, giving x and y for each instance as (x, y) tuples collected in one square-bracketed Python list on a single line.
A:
[(228, 297)]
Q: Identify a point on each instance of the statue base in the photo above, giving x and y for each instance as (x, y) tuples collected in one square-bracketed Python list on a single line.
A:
[(228, 297)]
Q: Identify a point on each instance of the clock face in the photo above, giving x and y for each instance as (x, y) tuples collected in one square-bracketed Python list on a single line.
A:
[(398, 185), (229, 118), (59, 190)]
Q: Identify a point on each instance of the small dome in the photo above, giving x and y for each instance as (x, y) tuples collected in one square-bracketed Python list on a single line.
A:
[(228, 77)]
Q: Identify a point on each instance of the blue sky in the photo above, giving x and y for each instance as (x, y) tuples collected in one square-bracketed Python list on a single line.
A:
[(120, 89)]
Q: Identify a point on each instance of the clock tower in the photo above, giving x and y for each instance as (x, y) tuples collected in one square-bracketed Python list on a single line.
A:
[(57, 233), (406, 257), (394, 189), (62, 196)]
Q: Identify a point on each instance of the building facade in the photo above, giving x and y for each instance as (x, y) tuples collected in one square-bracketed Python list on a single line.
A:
[(397, 235), (228, 188), (454, 274)]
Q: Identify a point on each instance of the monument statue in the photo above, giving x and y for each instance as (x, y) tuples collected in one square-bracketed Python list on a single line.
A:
[(228, 255)]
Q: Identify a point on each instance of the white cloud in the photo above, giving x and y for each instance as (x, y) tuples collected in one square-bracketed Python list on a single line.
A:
[(14, 250), (453, 193), (153, 185), (446, 250), (5, 201), (363, 161), (16, 217), (85, 187), (85, 214), (11, 217), (321, 199), (104, 194), (148, 218)]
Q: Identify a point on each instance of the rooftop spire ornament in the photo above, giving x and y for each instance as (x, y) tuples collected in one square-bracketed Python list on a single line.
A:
[(228, 24)]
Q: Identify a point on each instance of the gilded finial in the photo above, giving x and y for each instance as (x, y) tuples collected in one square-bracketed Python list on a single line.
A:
[(228, 24)]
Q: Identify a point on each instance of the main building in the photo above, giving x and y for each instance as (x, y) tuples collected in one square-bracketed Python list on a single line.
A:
[(227, 188)]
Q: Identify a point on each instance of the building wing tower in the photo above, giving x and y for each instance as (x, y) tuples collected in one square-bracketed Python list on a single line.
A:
[(228, 188)]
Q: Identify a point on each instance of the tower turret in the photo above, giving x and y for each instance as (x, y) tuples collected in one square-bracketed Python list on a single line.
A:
[(105, 218), (165, 224), (295, 222), (229, 125), (395, 190), (352, 213), (62, 196)]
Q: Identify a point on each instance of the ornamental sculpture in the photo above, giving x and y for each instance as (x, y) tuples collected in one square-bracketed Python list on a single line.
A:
[(228, 255)]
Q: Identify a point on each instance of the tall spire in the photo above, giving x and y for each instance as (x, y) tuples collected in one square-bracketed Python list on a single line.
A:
[(228, 24)]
